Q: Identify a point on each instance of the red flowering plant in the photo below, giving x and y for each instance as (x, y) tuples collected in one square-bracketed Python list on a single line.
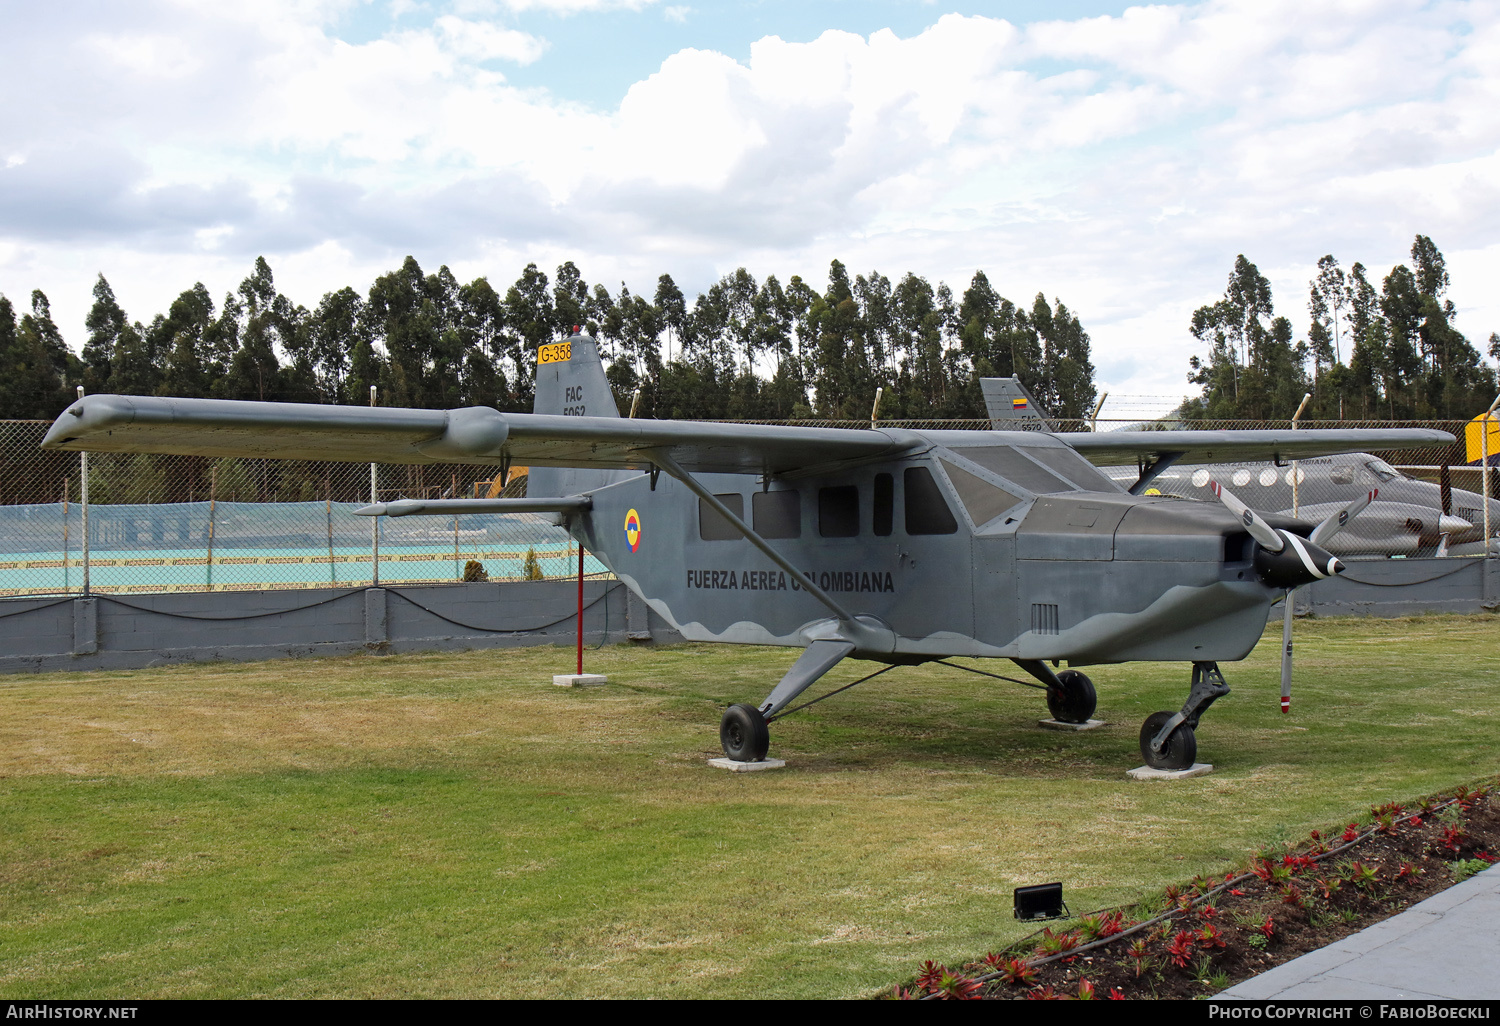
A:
[(1181, 949), (1017, 973)]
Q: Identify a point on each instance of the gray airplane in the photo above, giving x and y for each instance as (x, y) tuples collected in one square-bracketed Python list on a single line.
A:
[(1409, 517), (893, 546)]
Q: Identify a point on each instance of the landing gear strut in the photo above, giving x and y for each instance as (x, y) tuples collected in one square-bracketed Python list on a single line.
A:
[(1169, 740)]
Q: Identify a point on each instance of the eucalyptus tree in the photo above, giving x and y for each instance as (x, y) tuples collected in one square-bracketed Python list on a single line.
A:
[(105, 322)]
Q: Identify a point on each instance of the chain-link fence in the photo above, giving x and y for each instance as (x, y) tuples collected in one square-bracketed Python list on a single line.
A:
[(187, 523), (158, 523)]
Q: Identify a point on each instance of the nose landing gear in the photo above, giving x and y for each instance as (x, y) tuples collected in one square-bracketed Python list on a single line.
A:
[(1169, 740)]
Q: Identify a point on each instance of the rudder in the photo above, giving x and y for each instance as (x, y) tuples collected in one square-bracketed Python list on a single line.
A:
[(570, 382)]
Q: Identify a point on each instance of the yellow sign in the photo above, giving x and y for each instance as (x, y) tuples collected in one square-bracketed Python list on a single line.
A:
[(1474, 437), (557, 352)]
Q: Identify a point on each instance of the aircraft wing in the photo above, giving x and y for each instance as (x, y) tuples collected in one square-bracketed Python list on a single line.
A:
[(1127, 448), (476, 435)]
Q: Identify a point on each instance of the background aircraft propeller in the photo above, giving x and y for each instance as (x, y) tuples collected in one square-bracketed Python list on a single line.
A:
[(1306, 562)]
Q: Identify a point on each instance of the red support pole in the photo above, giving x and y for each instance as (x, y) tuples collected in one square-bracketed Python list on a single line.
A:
[(580, 610)]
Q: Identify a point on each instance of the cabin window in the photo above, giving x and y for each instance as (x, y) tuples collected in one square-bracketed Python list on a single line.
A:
[(1077, 470), (1011, 465), (777, 514), (712, 526), (983, 501), (885, 504), (927, 511), (838, 511)]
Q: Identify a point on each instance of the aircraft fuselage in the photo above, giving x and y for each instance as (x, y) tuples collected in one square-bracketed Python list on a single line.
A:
[(1012, 548)]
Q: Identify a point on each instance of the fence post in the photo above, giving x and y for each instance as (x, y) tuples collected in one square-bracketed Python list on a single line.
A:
[(374, 521), (333, 576), (67, 552), (1484, 469), (213, 498), (83, 473)]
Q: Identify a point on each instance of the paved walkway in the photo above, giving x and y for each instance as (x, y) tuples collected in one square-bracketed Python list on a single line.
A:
[(1445, 947)]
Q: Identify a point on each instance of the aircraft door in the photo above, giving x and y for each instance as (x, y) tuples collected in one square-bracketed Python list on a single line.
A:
[(996, 590)]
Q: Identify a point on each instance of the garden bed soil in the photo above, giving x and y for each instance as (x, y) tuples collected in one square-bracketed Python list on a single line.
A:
[(1196, 939)]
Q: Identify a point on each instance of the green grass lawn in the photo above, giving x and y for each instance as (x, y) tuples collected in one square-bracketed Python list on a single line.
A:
[(455, 826)]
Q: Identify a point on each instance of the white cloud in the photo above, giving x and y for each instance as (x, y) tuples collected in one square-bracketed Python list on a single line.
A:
[(677, 13), (480, 41), (1118, 162)]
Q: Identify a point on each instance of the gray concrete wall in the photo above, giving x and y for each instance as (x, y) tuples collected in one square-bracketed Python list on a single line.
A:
[(130, 631), (1404, 587)]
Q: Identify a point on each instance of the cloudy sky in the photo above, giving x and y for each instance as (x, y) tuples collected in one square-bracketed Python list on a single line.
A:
[(1116, 157)]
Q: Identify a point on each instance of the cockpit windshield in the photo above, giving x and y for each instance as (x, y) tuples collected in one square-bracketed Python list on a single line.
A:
[(1383, 470)]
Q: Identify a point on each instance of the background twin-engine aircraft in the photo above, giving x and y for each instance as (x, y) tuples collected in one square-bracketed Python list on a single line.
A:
[(1409, 518), (890, 545)]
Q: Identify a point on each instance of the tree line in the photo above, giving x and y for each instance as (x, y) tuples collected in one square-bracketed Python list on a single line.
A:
[(743, 349), (1390, 353)]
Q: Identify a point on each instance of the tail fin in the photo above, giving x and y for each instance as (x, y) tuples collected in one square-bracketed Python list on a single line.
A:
[(1011, 406), (570, 382)]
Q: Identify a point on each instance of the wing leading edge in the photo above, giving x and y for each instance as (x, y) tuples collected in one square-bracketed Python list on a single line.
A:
[(476, 435), (480, 435), (1128, 448)]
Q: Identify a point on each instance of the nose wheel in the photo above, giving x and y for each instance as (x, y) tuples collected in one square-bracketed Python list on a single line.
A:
[(1178, 752), (1169, 740)]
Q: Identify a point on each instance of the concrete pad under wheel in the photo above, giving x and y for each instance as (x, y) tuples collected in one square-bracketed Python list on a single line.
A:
[(579, 680), (1197, 769), (747, 767), (1072, 727)]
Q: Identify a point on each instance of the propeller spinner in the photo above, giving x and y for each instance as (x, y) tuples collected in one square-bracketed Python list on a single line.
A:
[(1286, 560)]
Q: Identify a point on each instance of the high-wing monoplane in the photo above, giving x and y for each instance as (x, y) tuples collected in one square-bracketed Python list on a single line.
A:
[(890, 545)]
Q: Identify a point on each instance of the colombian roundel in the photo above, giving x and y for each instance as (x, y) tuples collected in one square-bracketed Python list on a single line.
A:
[(633, 529)]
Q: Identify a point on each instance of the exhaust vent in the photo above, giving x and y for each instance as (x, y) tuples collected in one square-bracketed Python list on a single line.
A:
[(1043, 618)]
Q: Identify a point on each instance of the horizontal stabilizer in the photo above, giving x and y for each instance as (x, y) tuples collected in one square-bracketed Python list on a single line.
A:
[(412, 507)]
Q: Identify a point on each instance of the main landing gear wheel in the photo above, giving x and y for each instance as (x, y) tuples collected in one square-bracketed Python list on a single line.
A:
[(1076, 702), (1181, 749), (743, 734)]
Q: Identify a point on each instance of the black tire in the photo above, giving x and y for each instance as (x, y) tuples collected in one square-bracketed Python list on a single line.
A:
[(743, 734), (1181, 749), (1076, 702)]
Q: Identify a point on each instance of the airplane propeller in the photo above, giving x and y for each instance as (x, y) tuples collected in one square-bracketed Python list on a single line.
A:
[(1307, 562)]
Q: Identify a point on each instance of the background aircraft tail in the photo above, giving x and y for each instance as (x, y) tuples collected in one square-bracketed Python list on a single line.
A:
[(570, 382), (1011, 406)]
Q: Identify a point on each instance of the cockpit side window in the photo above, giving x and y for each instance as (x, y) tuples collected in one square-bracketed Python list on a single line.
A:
[(983, 501), (1382, 470)]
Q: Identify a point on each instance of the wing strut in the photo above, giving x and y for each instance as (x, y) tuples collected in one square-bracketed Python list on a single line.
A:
[(861, 635), (1151, 467)]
